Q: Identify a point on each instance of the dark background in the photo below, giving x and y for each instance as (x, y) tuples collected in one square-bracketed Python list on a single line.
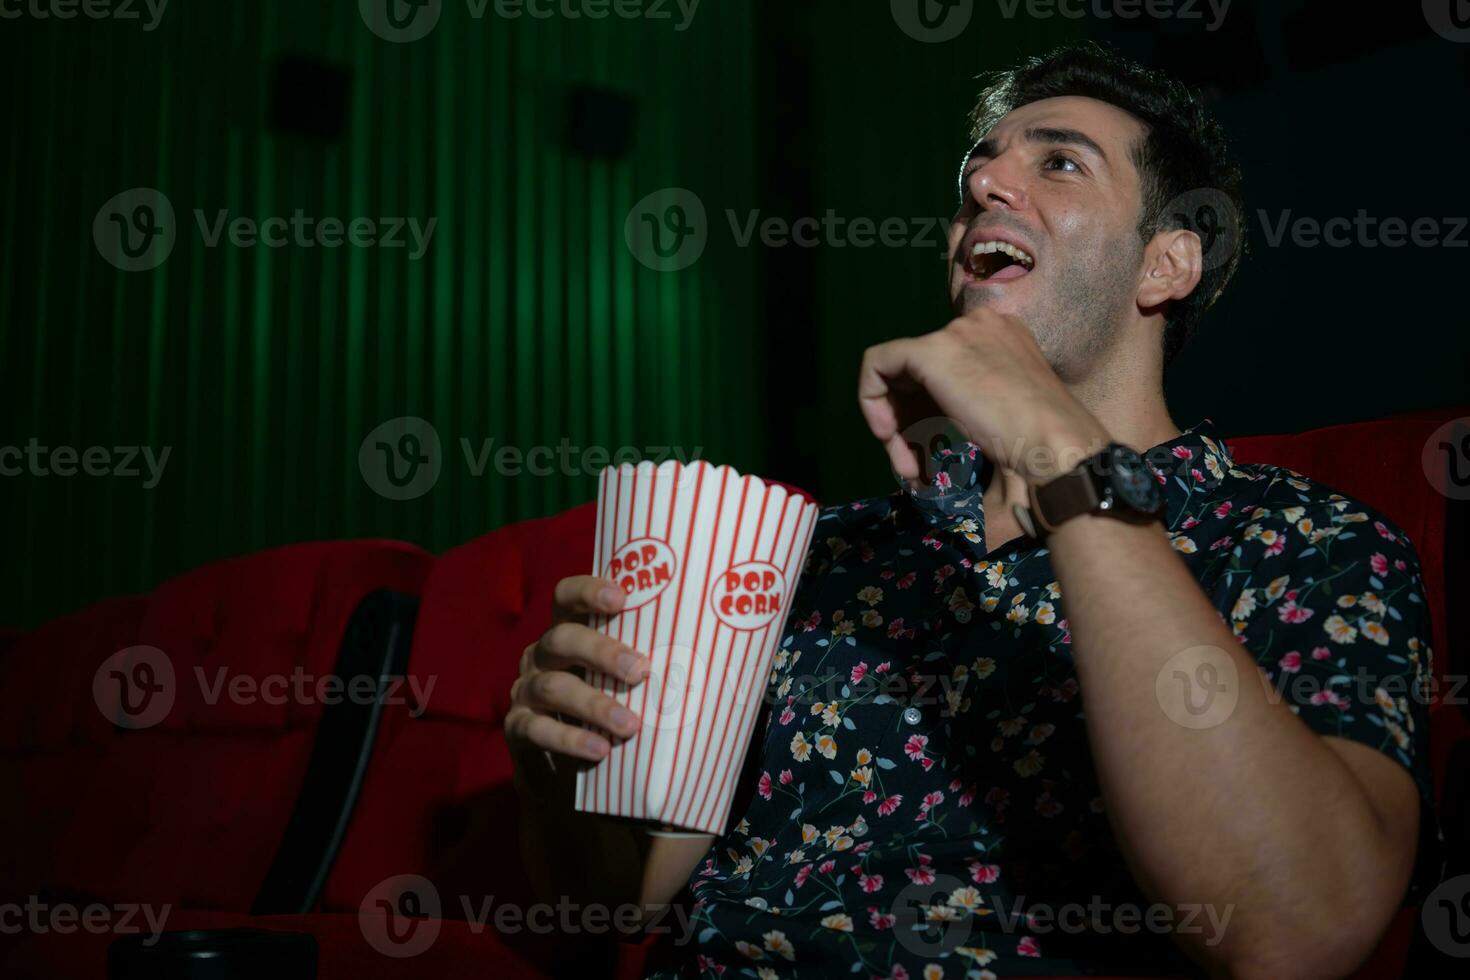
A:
[(529, 320)]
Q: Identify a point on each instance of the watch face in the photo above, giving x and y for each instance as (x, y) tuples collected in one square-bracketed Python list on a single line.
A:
[(1134, 483)]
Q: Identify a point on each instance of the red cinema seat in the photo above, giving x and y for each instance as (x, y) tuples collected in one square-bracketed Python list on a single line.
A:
[(191, 797), (52, 736), (1381, 464), (438, 802)]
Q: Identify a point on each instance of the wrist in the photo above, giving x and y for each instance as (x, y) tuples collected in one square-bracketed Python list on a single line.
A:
[(1114, 482), (1064, 446)]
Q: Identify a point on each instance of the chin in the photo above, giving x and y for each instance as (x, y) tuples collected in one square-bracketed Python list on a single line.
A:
[(986, 299), (1004, 296)]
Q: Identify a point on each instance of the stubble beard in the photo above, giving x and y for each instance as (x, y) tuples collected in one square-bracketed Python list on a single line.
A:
[(1078, 321)]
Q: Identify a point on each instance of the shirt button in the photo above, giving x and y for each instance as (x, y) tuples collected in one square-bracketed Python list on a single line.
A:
[(912, 715)]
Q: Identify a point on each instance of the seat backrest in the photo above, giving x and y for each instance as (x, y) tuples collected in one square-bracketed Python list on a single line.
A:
[(201, 722), (1382, 464), (373, 661), (438, 801), (52, 737)]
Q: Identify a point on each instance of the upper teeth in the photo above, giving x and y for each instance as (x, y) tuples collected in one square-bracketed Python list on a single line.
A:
[(985, 248)]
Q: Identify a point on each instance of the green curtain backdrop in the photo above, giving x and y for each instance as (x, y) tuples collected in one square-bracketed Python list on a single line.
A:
[(261, 370)]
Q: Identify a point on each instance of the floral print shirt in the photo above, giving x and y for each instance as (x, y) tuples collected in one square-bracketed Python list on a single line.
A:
[(924, 784)]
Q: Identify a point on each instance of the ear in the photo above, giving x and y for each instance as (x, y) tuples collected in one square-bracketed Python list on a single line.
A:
[(1171, 268)]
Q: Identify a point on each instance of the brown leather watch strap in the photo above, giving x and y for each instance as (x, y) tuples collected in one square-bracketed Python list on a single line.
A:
[(1063, 498)]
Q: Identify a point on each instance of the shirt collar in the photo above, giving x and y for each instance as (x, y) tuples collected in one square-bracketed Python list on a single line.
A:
[(954, 497), (955, 490), (1197, 460)]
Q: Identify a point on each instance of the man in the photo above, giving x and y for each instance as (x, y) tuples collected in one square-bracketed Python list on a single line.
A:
[(1247, 782)]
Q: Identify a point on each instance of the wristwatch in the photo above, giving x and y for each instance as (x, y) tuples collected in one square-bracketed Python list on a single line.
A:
[(1115, 481)]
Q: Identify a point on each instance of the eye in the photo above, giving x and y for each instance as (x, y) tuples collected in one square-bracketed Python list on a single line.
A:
[(1060, 161)]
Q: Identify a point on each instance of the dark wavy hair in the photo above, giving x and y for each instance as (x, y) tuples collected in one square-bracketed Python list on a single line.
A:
[(1183, 152)]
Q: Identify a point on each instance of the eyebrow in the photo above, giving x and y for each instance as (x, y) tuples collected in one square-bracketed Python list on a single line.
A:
[(1050, 135)]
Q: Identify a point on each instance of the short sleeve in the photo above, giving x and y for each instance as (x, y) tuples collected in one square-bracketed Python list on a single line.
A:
[(1329, 597)]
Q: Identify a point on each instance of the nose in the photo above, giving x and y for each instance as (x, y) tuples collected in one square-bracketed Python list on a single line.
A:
[(997, 184)]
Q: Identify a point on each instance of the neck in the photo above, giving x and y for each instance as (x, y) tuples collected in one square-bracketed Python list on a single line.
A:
[(1130, 408)]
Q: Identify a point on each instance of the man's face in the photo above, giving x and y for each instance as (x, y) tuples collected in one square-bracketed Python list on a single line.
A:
[(1053, 180)]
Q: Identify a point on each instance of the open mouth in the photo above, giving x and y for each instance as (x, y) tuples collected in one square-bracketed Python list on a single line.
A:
[(996, 261)]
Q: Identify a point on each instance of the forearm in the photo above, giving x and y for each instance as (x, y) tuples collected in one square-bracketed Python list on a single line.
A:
[(586, 857), (591, 858), (1227, 814)]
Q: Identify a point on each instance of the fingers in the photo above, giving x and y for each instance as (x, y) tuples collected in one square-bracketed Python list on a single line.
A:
[(893, 385), (546, 686), (534, 698), (904, 460), (578, 595), (880, 363), (567, 694), (551, 735), (579, 645), (891, 395)]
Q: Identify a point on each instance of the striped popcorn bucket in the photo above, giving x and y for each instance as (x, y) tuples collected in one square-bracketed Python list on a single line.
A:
[(709, 560)]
